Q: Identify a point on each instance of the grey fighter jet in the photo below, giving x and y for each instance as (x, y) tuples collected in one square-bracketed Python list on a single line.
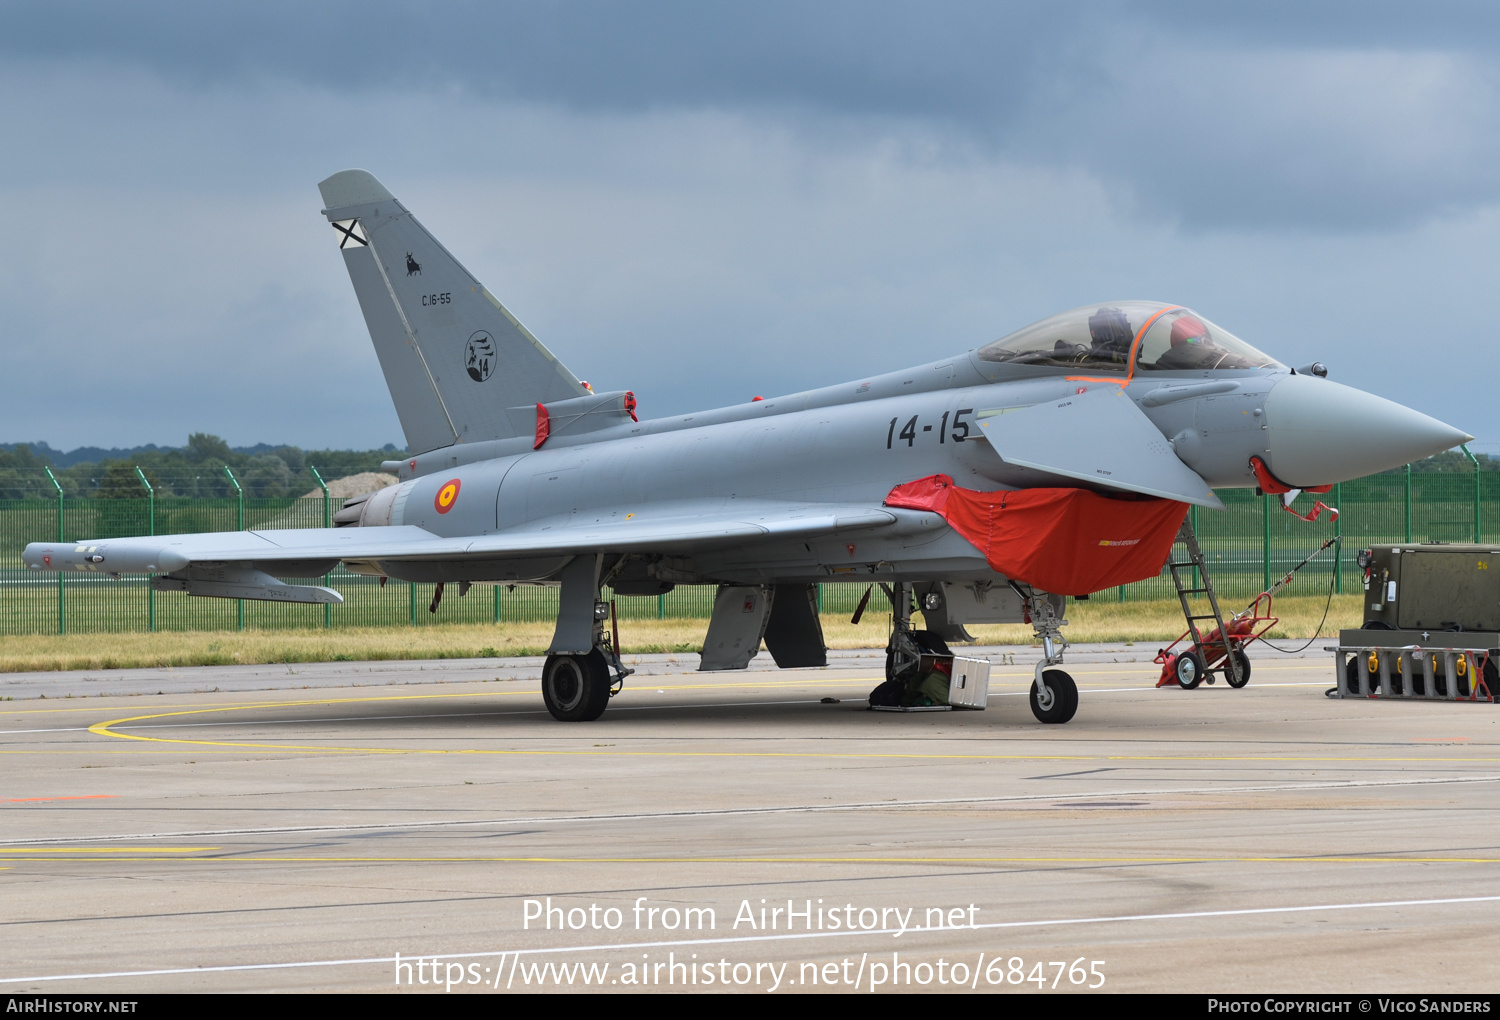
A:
[(980, 487)]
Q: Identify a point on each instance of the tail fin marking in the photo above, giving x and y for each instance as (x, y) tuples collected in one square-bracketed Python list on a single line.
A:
[(459, 366)]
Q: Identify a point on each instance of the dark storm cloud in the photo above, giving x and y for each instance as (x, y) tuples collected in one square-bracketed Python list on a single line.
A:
[(703, 201), (844, 56), (1335, 115)]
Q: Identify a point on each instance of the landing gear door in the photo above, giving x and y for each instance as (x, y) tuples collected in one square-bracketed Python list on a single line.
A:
[(981, 603), (736, 627), (794, 634)]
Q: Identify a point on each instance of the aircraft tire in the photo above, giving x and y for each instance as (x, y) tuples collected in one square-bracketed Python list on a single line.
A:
[(1188, 669), (930, 642), (1244, 661), (1059, 702), (576, 687), (925, 640)]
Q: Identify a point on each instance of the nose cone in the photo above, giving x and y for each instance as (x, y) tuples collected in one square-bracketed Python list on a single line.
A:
[(1320, 432)]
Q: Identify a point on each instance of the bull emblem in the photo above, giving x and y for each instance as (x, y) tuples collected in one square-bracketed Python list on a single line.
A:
[(413, 267)]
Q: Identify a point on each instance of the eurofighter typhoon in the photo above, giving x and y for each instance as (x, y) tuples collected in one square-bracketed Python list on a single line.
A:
[(981, 487)]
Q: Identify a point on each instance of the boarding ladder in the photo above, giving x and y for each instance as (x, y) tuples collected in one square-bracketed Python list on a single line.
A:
[(1182, 580)]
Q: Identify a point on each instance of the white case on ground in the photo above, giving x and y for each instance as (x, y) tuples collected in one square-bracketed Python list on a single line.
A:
[(970, 686)]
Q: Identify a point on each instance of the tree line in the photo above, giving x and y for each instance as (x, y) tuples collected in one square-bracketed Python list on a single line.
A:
[(194, 470)]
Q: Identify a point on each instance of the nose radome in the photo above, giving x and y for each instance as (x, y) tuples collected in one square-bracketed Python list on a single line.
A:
[(1320, 432)]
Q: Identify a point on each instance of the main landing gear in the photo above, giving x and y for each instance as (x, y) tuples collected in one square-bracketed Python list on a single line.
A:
[(577, 685)]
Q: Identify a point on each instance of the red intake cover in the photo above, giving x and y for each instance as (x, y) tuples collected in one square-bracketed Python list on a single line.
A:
[(1064, 541)]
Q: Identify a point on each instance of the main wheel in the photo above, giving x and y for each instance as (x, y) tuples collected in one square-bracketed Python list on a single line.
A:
[(1189, 670), (1056, 699), (1244, 664), (930, 642), (576, 687)]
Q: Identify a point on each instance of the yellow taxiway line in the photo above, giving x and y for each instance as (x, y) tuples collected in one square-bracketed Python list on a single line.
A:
[(107, 729)]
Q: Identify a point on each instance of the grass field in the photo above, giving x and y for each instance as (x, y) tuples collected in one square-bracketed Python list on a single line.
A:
[(1148, 623)]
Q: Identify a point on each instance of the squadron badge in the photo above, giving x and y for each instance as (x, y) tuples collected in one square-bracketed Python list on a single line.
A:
[(479, 358)]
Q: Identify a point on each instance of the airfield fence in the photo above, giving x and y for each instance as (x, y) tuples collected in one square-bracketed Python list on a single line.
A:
[(1247, 546)]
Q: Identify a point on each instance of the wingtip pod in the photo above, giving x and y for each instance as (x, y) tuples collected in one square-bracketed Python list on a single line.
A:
[(117, 557), (350, 188)]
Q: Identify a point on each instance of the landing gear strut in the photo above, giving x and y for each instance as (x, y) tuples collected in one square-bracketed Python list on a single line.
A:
[(1054, 695), (906, 647), (902, 652)]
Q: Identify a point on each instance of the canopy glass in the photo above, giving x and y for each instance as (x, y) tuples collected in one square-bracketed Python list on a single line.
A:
[(1126, 336)]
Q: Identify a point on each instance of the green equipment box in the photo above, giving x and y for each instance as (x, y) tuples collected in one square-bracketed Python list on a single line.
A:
[(1431, 628), (1431, 587)]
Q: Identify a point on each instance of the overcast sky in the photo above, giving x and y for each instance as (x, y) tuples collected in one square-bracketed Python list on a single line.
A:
[(703, 202)]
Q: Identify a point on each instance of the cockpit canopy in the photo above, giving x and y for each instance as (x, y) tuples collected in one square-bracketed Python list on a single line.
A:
[(1126, 336)]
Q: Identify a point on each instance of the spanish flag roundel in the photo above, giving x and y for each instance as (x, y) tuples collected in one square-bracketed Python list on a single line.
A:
[(447, 496)]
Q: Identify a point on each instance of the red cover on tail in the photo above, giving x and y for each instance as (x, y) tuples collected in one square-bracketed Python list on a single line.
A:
[(1064, 541)]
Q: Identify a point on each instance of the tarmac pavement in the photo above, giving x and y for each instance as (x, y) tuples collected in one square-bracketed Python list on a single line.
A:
[(297, 827)]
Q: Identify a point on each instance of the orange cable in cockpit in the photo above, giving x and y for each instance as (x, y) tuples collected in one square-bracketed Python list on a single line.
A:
[(1135, 346)]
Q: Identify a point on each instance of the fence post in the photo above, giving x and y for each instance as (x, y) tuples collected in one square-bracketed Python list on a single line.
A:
[(1338, 533), (151, 530), (412, 587), (1478, 530), (239, 525), (62, 583), (327, 523), (497, 603), (1408, 502)]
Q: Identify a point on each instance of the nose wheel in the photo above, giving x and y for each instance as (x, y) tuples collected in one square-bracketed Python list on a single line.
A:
[(1054, 699)]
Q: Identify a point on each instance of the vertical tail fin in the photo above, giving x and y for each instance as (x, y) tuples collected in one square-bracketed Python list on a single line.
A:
[(460, 368)]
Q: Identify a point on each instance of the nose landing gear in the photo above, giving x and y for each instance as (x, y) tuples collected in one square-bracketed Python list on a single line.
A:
[(1054, 695)]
